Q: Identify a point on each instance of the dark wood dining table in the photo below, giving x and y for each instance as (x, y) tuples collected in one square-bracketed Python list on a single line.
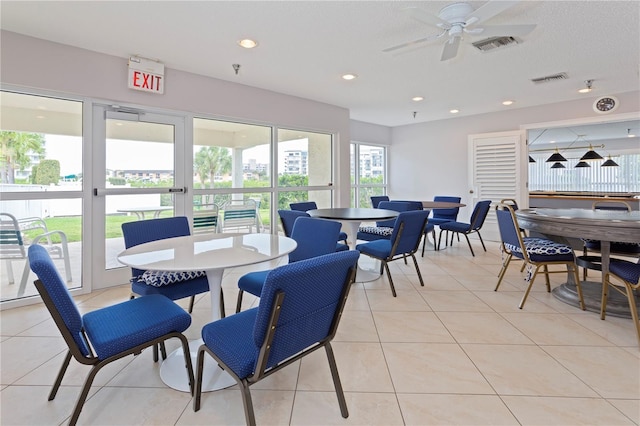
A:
[(605, 226)]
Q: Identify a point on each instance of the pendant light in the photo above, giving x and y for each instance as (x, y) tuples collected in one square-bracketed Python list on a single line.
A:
[(531, 160), (583, 164), (558, 165), (609, 163), (591, 155), (555, 157)]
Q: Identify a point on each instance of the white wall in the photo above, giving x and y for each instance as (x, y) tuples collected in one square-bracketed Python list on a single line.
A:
[(34, 63), (430, 158)]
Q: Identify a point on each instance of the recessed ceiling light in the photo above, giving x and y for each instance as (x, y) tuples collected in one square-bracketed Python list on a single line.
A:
[(40, 116), (247, 43), (349, 76), (417, 98), (507, 103), (454, 111)]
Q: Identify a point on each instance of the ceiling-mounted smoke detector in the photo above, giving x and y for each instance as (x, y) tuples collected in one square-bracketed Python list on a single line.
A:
[(550, 78), (494, 42)]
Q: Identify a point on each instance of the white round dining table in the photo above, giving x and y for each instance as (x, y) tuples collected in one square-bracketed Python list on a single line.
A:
[(212, 253)]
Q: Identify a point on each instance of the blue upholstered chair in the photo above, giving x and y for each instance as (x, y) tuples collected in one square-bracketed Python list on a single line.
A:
[(314, 236), (99, 337), (535, 252), (404, 241), (384, 228), (299, 312), (288, 218), (589, 260), (305, 206), (441, 216), (144, 283), (625, 274), (475, 224), (375, 200)]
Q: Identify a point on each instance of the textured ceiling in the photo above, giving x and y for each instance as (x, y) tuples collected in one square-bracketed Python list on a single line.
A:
[(305, 46)]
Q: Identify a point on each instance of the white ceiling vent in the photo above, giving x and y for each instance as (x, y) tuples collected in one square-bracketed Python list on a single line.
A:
[(494, 42), (549, 78)]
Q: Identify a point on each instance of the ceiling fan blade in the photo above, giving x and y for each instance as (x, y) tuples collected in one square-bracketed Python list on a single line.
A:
[(450, 49), (423, 16), (488, 11), (414, 43), (504, 30)]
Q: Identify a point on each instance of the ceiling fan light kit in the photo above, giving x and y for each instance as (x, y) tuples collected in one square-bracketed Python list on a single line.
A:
[(457, 19)]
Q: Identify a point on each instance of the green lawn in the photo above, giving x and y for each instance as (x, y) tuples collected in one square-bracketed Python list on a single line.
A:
[(72, 225)]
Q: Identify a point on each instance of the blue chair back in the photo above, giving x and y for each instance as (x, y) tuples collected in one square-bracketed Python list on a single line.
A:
[(375, 200), (412, 223), (288, 218), (451, 214), (303, 206), (399, 206), (479, 214), (57, 296), (509, 233), (314, 293), (144, 231), (314, 236)]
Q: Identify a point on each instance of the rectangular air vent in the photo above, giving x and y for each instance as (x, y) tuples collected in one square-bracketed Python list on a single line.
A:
[(494, 42), (549, 78)]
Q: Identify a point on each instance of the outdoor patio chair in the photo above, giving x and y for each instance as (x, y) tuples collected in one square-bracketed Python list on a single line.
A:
[(205, 219), (535, 252), (240, 214), (299, 312), (105, 335), (13, 245)]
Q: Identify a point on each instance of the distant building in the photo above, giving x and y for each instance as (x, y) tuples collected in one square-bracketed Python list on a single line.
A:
[(296, 162), (372, 162)]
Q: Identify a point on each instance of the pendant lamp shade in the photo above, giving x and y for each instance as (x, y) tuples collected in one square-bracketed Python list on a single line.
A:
[(609, 163), (555, 157), (531, 160), (582, 164), (591, 155), (558, 165)]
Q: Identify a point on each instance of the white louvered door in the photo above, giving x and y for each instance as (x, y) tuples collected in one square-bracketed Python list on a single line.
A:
[(498, 170)]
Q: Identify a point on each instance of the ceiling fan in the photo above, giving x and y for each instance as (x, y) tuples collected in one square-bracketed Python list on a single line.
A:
[(458, 19)]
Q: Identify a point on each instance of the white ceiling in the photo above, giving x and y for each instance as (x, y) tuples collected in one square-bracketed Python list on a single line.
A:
[(305, 46)]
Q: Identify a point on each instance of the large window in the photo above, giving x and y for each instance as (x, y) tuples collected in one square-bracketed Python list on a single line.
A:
[(40, 187), (368, 173)]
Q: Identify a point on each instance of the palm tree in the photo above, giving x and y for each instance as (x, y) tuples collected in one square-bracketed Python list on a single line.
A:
[(15, 148), (209, 161)]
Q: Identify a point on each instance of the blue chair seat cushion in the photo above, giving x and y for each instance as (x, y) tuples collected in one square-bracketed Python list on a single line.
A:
[(379, 248), (162, 278), (231, 338), (341, 247), (628, 271), (543, 250), (120, 327), (616, 247), (253, 282), (454, 226), (383, 231)]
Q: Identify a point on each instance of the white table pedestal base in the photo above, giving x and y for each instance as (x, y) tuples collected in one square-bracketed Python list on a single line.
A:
[(173, 371)]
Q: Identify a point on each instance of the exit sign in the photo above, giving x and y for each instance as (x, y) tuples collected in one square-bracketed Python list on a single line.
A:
[(146, 75)]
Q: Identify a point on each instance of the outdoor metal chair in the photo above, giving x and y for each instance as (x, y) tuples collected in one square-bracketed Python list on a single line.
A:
[(13, 245)]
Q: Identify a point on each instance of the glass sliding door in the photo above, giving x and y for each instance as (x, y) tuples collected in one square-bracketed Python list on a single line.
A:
[(140, 156), (41, 186)]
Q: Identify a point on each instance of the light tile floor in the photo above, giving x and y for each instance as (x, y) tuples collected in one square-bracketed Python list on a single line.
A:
[(453, 352)]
